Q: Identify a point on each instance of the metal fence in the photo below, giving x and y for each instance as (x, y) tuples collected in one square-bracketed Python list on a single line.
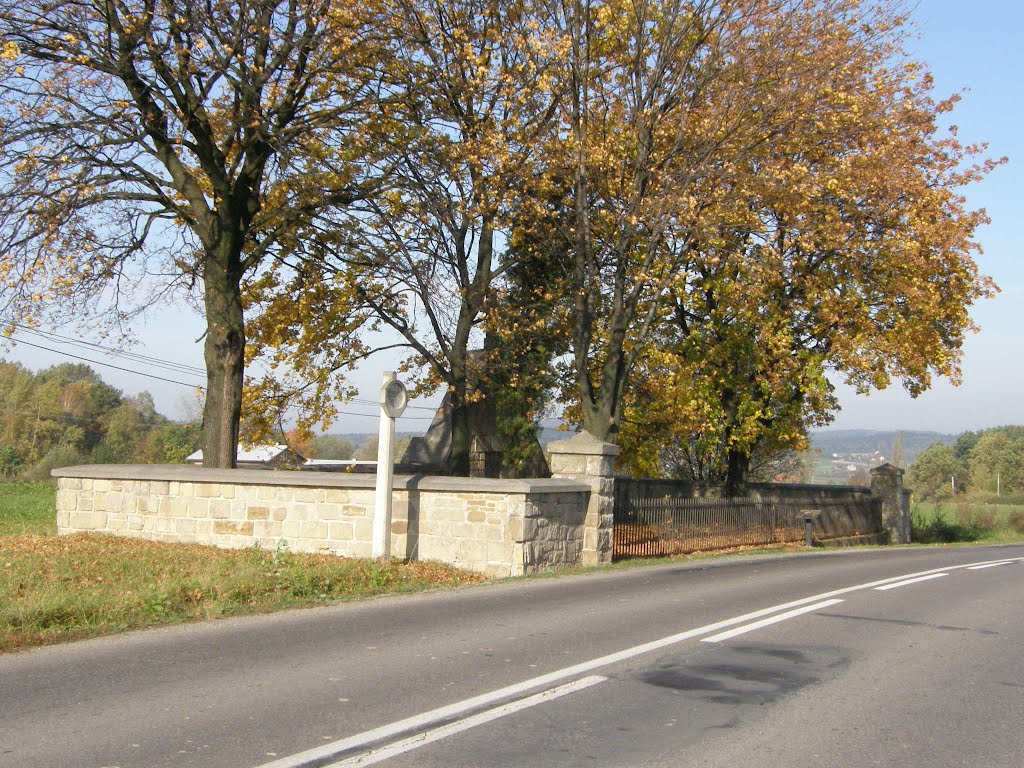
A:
[(673, 525)]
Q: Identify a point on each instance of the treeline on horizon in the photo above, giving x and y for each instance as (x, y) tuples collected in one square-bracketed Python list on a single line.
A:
[(985, 465), (66, 415)]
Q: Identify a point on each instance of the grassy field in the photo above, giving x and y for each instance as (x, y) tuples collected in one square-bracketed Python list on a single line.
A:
[(58, 588), (965, 521), (27, 508)]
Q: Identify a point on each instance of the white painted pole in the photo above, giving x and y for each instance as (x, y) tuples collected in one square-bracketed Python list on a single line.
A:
[(385, 478)]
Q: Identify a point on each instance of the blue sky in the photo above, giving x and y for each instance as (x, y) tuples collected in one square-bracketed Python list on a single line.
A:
[(971, 47), (974, 46)]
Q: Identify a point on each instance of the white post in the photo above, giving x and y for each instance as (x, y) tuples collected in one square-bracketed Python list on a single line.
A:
[(393, 398)]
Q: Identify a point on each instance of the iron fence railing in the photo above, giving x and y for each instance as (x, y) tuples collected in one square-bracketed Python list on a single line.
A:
[(672, 525)]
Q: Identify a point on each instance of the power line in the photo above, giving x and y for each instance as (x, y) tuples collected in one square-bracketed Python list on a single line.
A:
[(149, 360), (109, 365), (179, 367)]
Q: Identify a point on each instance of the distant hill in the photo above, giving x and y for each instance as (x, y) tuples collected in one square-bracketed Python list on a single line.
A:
[(851, 441)]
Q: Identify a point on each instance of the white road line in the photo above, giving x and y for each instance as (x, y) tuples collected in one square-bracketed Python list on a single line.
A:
[(373, 756), (990, 565), (323, 753), (768, 622), (907, 582)]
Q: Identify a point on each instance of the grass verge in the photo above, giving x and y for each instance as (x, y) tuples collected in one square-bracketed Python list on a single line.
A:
[(70, 587), (59, 588)]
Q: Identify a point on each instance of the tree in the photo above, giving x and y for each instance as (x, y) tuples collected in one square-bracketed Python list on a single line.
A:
[(937, 473), (465, 101), (177, 142), (331, 447), (762, 196), (997, 461)]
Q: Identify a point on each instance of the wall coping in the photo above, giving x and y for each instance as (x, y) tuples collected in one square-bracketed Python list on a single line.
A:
[(311, 479), (585, 444), (866, 489)]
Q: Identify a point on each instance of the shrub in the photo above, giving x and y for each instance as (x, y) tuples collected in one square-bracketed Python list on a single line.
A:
[(939, 530)]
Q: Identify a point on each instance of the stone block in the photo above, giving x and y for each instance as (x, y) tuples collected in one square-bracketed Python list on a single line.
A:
[(476, 515), (326, 511), (364, 529), (313, 529), (257, 513), (67, 499), (232, 527), (101, 485), (185, 526), (219, 509), (499, 552), (566, 465), (70, 483), (189, 508), (306, 495), (115, 501), (267, 529), (336, 496), (340, 531), (473, 551), (159, 487), (514, 529)]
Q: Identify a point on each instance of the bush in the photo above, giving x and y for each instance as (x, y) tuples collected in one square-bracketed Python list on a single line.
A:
[(58, 456), (939, 530), (1016, 520)]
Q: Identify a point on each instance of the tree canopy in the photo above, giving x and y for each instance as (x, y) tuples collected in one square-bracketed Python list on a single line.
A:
[(714, 204), (172, 145)]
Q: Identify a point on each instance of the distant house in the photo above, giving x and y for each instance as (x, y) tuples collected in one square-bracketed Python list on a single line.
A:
[(259, 457)]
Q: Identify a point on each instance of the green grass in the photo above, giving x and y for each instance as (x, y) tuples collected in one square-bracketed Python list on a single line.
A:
[(965, 521), (28, 509), (59, 588)]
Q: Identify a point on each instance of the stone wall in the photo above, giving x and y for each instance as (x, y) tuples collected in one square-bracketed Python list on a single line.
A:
[(498, 527)]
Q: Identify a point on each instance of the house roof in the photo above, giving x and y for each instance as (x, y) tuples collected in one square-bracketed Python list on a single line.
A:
[(253, 454)]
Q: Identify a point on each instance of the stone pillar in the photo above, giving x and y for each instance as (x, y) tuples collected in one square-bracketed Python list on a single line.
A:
[(585, 458), (887, 485)]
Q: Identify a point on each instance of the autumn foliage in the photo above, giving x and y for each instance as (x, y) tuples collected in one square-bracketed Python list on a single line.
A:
[(719, 204)]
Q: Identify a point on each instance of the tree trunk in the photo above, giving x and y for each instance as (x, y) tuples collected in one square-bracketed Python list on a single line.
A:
[(224, 352), (737, 473), (462, 437)]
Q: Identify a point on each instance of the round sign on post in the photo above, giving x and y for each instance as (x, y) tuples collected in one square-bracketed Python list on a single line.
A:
[(394, 397)]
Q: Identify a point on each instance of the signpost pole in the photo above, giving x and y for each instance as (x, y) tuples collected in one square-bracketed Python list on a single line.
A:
[(393, 399)]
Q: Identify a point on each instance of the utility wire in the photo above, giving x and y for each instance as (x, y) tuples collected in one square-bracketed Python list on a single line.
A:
[(178, 367), (110, 365), (149, 360)]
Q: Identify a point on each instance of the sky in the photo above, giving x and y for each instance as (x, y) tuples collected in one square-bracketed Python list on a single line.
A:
[(972, 49)]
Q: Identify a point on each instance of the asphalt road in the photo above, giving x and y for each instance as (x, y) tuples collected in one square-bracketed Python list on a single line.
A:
[(778, 661)]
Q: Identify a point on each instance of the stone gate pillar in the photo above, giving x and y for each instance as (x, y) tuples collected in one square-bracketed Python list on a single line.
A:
[(887, 485), (587, 459)]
